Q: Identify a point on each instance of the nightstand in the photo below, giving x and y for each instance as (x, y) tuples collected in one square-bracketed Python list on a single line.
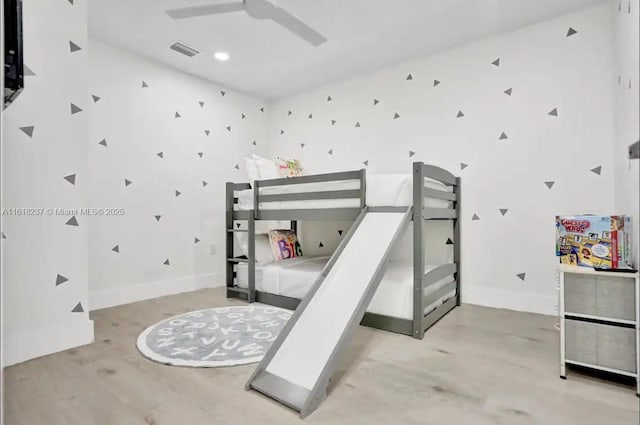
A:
[(600, 321)]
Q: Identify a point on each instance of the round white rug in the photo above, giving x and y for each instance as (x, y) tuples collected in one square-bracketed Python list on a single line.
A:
[(214, 337)]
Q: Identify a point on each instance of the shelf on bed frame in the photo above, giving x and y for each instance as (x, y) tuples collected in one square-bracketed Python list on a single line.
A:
[(420, 322)]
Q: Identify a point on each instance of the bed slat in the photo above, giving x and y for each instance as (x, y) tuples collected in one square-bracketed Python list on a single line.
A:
[(439, 174), (439, 194), (438, 213), (316, 178), (438, 313), (324, 214), (306, 196), (439, 273), (439, 293)]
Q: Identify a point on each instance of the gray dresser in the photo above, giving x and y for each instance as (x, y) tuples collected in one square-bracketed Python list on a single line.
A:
[(600, 321)]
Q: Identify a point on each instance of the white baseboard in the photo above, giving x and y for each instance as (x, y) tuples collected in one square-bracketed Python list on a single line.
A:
[(26, 344), (510, 300), (120, 295)]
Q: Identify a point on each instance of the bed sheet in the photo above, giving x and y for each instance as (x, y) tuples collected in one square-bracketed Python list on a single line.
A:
[(382, 190), (294, 277)]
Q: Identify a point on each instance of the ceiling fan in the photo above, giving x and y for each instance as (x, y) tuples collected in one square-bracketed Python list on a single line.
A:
[(258, 9)]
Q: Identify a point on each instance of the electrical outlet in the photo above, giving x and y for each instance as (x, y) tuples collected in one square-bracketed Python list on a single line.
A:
[(212, 249)]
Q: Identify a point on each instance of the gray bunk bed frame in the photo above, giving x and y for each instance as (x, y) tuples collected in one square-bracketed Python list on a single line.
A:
[(415, 327)]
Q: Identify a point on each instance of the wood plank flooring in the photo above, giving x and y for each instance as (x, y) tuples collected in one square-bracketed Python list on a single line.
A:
[(476, 366)]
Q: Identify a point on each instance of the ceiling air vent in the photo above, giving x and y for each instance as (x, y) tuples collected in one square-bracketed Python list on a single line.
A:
[(184, 49)]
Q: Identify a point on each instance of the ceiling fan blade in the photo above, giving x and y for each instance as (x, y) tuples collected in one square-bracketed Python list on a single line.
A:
[(297, 27), (204, 10)]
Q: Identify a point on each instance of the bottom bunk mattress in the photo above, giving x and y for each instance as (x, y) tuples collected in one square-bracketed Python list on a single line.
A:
[(294, 277)]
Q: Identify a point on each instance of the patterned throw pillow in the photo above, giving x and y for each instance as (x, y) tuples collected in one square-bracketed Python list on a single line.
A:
[(284, 244), (290, 167)]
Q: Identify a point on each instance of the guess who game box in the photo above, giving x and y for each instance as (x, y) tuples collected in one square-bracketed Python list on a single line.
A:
[(594, 241)]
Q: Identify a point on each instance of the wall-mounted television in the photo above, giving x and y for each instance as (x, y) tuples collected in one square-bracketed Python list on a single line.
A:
[(12, 61)]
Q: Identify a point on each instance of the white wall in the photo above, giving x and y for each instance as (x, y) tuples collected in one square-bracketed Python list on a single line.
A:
[(627, 111), (137, 124), (37, 313), (546, 70)]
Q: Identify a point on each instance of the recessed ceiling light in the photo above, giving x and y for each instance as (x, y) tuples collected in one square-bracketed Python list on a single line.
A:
[(221, 56)]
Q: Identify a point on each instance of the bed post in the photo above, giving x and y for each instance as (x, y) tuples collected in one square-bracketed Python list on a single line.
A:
[(229, 234), (251, 231), (251, 255), (363, 188), (456, 238), (418, 249)]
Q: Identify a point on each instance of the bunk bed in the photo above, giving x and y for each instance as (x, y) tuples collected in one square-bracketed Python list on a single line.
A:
[(414, 297)]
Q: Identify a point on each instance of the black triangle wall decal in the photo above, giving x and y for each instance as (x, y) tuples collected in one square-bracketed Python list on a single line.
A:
[(73, 47), (71, 178), (61, 279), (28, 130), (75, 109)]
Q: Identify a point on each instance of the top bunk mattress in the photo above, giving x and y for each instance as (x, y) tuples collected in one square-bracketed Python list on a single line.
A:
[(383, 190)]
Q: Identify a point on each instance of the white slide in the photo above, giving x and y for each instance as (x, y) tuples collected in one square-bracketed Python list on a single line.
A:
[(297, 368)]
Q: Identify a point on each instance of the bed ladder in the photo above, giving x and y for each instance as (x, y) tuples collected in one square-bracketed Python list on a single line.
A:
[(297, 369), (249, 293)]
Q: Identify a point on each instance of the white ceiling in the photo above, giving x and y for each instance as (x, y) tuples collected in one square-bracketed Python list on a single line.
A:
[(269, 62)]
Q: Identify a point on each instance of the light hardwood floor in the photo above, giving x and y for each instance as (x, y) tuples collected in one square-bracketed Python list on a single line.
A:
[(476, 366)]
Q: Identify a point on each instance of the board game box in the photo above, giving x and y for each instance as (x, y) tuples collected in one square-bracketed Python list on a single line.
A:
[(594, 241)]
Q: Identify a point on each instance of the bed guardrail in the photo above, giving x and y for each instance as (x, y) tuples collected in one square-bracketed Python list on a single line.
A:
[(340, 213), (423, 280)]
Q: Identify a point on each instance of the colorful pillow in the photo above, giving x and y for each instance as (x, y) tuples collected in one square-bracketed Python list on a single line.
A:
[(290, 167), (284, 244)]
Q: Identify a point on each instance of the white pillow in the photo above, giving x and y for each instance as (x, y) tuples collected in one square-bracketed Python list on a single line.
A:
[(252, 170), (267, 169), (264, 255)]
